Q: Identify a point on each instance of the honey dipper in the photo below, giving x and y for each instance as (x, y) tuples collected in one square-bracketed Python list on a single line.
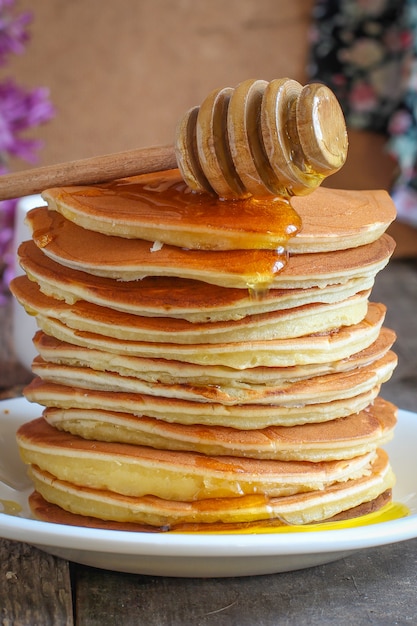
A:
[(259, 138)]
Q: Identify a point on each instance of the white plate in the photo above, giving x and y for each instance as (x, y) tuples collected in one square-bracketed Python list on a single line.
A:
[(199, 555)]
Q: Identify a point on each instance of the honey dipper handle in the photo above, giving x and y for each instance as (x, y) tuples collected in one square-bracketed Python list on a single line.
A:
[(100, 169)]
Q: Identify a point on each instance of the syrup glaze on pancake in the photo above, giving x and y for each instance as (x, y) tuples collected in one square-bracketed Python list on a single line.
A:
[(160, 207), (344, 438), (132, 259), (192, 300), (232, 269)]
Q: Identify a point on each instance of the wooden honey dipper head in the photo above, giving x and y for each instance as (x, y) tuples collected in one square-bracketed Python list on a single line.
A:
[(262, 138)]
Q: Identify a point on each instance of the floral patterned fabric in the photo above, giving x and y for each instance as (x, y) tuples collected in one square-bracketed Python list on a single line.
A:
[(366, 51)]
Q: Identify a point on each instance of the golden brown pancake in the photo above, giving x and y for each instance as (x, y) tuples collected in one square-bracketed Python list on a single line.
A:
[(306, 319), (133, 259), (239, 305), (161, 370), (301, 508), (45, 511), (175, 410), (160, 207), (194, 301), (217, 268), (314, 390), (339, 439), (316, 348), (194, 375), (175, 475)]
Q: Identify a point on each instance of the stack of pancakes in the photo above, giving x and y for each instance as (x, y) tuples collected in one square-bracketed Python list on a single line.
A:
[(206, 363)]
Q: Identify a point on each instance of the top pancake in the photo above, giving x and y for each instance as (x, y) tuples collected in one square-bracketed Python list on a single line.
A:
[(161, 208)]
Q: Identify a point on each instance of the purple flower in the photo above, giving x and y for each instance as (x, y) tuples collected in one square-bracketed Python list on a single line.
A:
[(19, 111), (13, 30)]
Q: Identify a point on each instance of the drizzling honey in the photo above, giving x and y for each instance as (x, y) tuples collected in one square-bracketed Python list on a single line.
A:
[(263, 223), (248, 236)]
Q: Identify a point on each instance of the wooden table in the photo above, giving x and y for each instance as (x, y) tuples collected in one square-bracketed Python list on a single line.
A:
[(376, 586)]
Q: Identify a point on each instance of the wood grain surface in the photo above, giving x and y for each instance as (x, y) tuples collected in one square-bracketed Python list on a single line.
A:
[(35, 588)]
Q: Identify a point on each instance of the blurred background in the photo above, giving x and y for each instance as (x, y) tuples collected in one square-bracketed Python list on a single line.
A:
[(122, 72)]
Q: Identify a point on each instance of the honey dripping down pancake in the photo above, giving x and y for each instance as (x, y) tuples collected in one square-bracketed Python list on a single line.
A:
[(206, 363), (201, 298), (130, 259), (161, 208)]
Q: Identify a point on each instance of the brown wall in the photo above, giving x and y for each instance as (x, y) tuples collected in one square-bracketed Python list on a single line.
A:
[(122, 72)]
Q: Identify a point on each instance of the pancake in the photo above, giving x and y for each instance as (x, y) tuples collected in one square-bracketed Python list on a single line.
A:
[(306, 319), (302, 508), (169, 372), (239, 306), (309, 319), (301, 271), (160, 207), (133, 259), (47, 512), (174, 475), (316, 348), (314, 390), (179, 411), (203, 362), (193, 301), (340, 439)]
